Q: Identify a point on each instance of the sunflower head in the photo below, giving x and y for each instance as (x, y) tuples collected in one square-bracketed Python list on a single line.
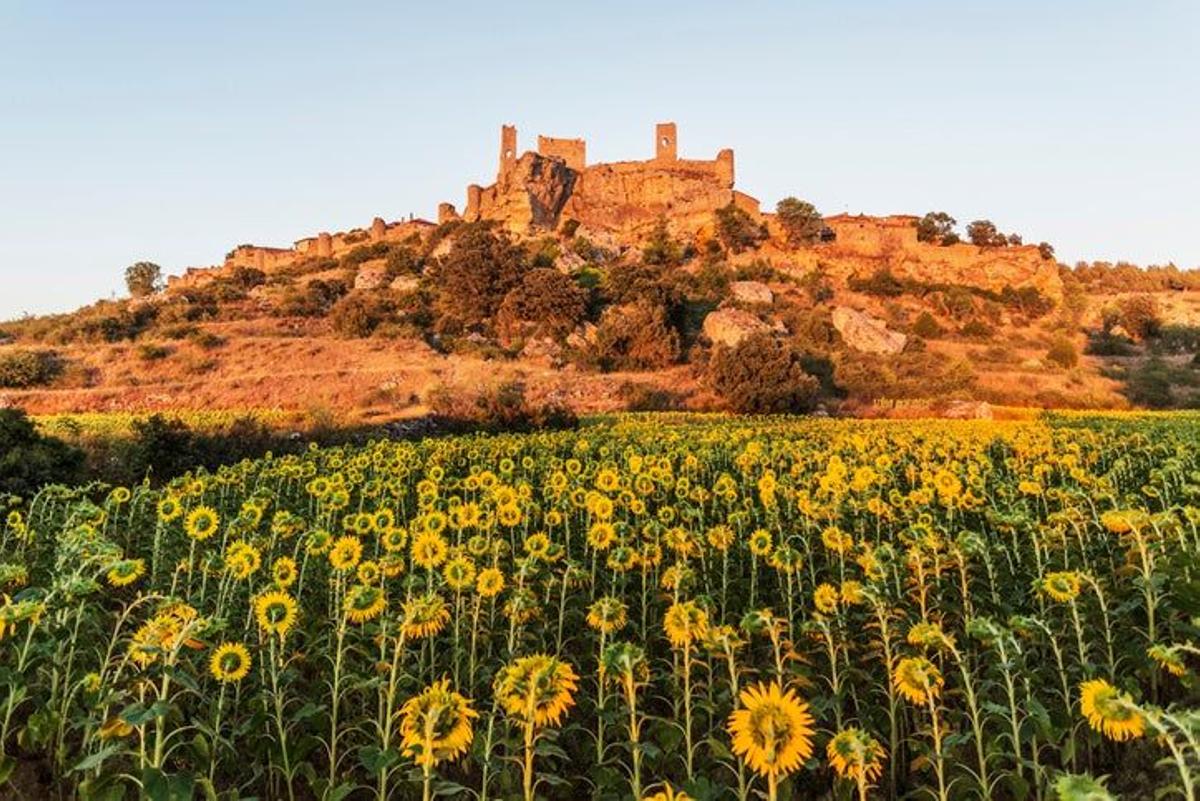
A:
[(537, 690), (1062, 586), (201, 523), (489, 582), (668, 793), (685, 623), (125, 572), (275, 612), (771, 730), (1110, 711), (429, 549), (229, 663), (364, 602), (436, 725), (856, 755), (424, 616), (345, 553), (607, 615), (917, 679)]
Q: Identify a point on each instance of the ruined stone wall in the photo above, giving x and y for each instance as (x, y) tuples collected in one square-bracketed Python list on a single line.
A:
[(572, 151)]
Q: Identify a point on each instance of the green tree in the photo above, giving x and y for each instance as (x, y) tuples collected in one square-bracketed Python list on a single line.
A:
[(143, 278), (801, 222), (29, 460), (763, 374), (737, 230), (661, 248), (550, 300), (937, 227), (480, 269)]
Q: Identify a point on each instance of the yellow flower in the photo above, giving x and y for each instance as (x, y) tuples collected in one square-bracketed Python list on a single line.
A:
[(230, 662), (837, 540), (771, 730), (1168, 658), (917, 679), (1110, 711), (368, 572), (1063, 586), (364, 602), (720, 537), (607, 615), (668, 794), (760, 542), (537, 689), (424, 616), (168, 509), (429, 550), (489, 583), (126, 572), (284, 572), (459, 573), (345, 553), (685, 623), (825, 598), (856, 755), (537, 545), (601, 535), (201, 523), (852, 593), (436, 725), (275, 612)]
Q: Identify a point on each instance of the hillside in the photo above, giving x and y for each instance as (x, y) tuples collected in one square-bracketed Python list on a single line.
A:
[(629, 285)]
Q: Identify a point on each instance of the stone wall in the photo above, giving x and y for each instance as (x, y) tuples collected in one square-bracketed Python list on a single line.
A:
[(572, 151)]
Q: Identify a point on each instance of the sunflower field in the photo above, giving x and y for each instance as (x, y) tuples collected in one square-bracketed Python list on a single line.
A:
[(649, 607)]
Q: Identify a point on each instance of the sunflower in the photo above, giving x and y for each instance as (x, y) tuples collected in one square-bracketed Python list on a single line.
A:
[(429, 549), (459, 573), (363, 602), (771, 730), (1110, 711), (509, 514), (284, 572), (917, 679), (125, 572), (852, 592), (436, 725), (607, 615), (394, 539), (201, 523), (424, 616), (685, 623), (1169, 658), (537, 545), (242, 560), (230, 662), (720, 537), (276, 612), (368, 572), (601, 535), (345, 553), (837, 540), (668, 794), (826, 598), (856, 755), (168, 509), (537, 690), (760, 542), (489, 582), (1062, 586)]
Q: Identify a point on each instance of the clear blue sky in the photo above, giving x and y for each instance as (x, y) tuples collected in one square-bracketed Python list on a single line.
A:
[(172, 131)]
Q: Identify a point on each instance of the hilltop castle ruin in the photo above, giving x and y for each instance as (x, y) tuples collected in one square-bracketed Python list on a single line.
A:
[(542, 189)]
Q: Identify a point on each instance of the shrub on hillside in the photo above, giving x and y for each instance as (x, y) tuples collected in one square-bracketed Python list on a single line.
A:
[(143, 278), (802, 224), (359, 314), (737, 230), (1063, 352), (635, 336), (881, 283), (553, 302), (763, 374), (661, 248), (937, 228), (1149, 384), (481, 268), (927, 327), (1140, 316), (29, 460), (20, 369), (499, 407), (314, 299)]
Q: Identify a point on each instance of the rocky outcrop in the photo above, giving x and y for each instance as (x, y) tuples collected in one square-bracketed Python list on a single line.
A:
[(528, 197), (864, 333), (730, 326), (371, 275), (752, 292)]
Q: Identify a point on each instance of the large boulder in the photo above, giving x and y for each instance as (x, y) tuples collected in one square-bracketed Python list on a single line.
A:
[(862, 332), (751, 292), (730, 326), (371, 275)]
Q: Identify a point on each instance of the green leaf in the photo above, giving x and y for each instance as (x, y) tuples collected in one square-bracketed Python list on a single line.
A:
[(95, 760), (159, 786)]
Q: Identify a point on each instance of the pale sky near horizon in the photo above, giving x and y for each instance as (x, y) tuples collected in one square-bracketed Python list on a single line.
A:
[(170, 132)]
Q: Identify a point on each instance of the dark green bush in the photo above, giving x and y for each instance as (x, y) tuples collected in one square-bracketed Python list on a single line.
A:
[(1063, 353), (359, 314), (29, 460), (20, 369), (763, 374)]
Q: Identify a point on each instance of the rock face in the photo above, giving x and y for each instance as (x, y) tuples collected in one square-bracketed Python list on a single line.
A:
[(540, 190), (371, 275), (865, 333), (752, 292), (730, 326)]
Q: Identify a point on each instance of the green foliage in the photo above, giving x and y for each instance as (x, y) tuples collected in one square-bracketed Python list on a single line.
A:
[(1063, 352), (314, 299), (1149, 384), (20, 369), (552, 301), (881, 283), (1137, 314), (763, 374), (481, 268), (802, 224), (1046, 250), (358, 314), (661, 249), (985, 234), (29, 460), (737, 230), (937, 227), (504, 406), (635, 336), (143, 278), (927, 327)]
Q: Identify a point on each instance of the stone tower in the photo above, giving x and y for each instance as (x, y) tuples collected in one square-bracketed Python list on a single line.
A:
[(508, 148), (665, 142)]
